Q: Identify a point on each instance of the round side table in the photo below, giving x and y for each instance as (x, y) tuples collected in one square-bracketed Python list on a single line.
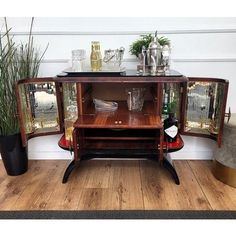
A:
[(224, 164)]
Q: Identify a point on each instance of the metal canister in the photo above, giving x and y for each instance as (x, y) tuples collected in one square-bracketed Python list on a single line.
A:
[(154, 52)]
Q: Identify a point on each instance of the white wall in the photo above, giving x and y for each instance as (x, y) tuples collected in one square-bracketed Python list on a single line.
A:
[(200, 47)]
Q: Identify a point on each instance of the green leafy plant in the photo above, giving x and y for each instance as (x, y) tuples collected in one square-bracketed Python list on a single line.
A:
[(29, 57), (16, 62), (145, 40), (8, 78)]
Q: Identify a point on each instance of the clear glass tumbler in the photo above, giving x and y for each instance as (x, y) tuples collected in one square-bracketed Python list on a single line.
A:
[(135, 98), (78, 60)]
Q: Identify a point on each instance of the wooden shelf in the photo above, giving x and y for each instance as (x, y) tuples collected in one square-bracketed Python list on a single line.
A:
[(119, 121), (122, 118), (148, 108), (145, 143)]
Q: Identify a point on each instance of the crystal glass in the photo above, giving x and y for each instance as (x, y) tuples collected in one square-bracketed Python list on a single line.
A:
[(166, 57), (113, 58), (135, 98), (78, 60)]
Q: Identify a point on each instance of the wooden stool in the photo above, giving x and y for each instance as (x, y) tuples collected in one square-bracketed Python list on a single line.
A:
[(224, 165)]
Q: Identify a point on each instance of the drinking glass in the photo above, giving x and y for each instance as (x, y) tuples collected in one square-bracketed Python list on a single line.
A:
[(135, 98), (78, 59)]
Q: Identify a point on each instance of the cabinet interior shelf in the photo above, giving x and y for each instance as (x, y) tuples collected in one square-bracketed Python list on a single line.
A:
[(148, 108), (118, 143)]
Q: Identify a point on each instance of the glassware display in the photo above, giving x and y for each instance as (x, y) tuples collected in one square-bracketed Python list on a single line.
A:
[(135, 98), (101, 105), (70, 108), (39, 106), (204, 106), (78, 60), (113, 58), (165, 52)]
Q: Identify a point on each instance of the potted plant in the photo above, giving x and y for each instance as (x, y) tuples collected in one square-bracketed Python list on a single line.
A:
[(16, 62), (145, 40)]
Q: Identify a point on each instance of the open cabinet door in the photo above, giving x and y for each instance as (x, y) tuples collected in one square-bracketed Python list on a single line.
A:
[(205, 107), (39, 107)]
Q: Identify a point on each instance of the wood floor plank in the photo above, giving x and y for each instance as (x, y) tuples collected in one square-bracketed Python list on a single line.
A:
[(115, 185), (35, 185), (154, 189), (126, 183), (66, 196), (101, 174), (42, 195), (160, 191), (98, 199), (2, 172), (13, 186), (189, 193), (89, 175), (220, 195)]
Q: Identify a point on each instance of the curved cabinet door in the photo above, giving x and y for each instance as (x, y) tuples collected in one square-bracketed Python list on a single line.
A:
[(70, 108), (39, 107), (205, 107)]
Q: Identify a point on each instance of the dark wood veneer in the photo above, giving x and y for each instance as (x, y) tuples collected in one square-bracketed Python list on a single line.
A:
[(141, 130)]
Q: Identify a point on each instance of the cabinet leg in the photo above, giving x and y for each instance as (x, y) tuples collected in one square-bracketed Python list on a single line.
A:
[(171, 169), (77, 140), (69, 169)]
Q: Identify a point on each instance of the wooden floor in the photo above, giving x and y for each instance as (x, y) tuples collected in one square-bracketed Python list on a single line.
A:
[(115, 185)]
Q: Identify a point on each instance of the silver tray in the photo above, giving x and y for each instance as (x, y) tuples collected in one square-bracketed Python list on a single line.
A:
[(69, 71)]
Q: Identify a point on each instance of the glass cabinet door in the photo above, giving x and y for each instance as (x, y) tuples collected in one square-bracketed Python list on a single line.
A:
[(205, 107), (38, 108), (70, 108)]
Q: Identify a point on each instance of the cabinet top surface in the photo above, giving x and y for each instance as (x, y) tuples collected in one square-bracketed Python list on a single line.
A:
[(128, 76)]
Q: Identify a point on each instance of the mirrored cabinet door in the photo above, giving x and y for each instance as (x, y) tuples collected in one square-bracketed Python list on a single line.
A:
[(38, 108), (70, 108), (205, 107)]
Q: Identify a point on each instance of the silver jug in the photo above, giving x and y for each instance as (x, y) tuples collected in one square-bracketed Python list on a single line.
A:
[(154, 54)]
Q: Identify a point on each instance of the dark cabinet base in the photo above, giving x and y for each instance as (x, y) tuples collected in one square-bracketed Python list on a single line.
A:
[(119, 154)]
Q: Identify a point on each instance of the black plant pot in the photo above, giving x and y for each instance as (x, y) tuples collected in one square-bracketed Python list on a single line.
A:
[(13, 154)]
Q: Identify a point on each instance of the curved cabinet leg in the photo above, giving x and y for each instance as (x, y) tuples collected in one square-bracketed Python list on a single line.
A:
[(68, 171), (171, 169)]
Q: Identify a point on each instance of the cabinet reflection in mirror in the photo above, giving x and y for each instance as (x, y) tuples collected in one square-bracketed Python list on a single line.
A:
[(39, 104), (204, 105)]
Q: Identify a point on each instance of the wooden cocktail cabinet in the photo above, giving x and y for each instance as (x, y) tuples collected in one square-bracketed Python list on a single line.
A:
[(65, 104)]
